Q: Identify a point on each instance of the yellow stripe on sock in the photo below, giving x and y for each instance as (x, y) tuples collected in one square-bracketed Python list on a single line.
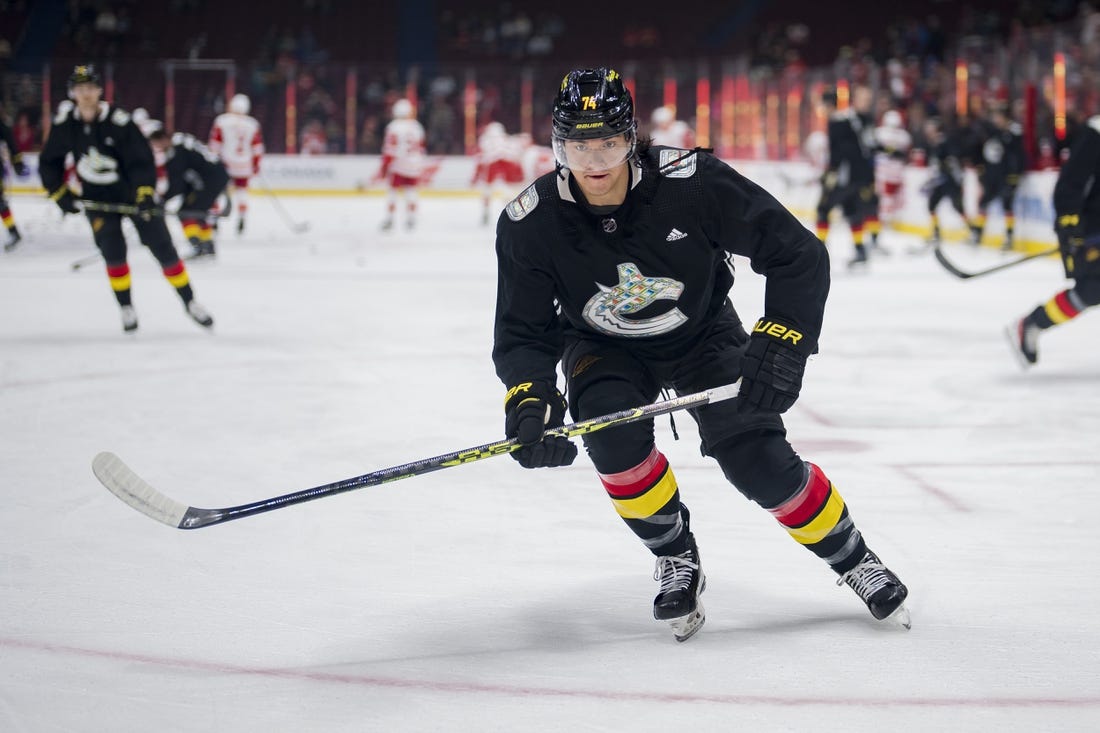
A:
[(120, 283), (650, 502), (820, 526), (178, 281), (1055, 313)]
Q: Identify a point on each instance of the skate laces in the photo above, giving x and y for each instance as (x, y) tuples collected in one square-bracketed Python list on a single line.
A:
[(867, 578), (674, 572)]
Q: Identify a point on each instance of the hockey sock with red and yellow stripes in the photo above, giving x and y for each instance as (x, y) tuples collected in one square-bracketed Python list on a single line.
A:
[(197, 232), (6, 217), (816, 516), (1063, 307), (119, 277), (648, 499), (176, 275)]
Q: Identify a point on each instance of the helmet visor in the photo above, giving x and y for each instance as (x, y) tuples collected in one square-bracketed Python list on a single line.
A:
[(594, 154)]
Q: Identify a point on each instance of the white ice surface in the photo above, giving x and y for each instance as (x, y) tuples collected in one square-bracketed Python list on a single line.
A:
[(490, 598)]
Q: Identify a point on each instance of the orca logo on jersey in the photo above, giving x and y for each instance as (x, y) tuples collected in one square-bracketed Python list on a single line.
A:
[(606, 311), (96, 168)]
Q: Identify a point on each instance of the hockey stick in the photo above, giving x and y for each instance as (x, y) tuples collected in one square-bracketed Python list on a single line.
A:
[(298, 227), (950, 267), (89, 260), (121, 481)]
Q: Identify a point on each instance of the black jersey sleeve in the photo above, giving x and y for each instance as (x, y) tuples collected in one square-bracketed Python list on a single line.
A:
[(8, 139), (1074, 180), (134, 149), (51, 160), (752, 223), (527, 335)]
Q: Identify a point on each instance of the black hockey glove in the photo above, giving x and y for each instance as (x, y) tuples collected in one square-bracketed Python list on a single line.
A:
[(65, 200), (1071, 237), (772, 366), (18, 165), (146, 202), (530, 408)]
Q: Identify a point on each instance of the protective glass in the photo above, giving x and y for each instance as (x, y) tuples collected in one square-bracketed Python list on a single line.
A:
[(594, 154)]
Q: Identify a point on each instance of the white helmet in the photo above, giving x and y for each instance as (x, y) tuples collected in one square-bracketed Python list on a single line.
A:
[(891, 118), (662, 116), (495, 129), (240, 104), (402, 108)]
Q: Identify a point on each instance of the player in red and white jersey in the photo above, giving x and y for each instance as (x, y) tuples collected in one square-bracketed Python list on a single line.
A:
[(892, 143), (667, 130), (237, 139), (499, 166), (403, 162)]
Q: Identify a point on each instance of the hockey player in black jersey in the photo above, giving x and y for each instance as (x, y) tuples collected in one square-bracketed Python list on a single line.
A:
[(20, 169), (999, 170), (1077, 222), (198, 175), (116, 170), (618, 267), (849, 179), (945, 159)]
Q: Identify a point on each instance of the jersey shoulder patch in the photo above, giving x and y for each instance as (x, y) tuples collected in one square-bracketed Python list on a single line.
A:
[(64, 110), (120, 117), (523, 204), (676, 163)]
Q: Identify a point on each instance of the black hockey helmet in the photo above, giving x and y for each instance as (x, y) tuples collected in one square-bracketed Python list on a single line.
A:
[(593, 103), (84, 74)]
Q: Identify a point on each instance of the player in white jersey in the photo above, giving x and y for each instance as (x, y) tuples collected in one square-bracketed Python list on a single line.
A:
[(403, 162), (237, 139), (892, 143), (667, 130), (499, 166)]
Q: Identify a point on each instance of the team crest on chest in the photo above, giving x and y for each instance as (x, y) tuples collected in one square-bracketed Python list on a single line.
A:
[(677, 163), (607, 310), (523, 204)]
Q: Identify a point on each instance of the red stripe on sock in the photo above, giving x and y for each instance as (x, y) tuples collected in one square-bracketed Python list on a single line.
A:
[(1062, 299), (173, 270), (635, 480), (801, 507), (118, 270)]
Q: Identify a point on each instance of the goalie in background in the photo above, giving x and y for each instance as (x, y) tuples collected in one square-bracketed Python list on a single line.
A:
[(1077, 223)]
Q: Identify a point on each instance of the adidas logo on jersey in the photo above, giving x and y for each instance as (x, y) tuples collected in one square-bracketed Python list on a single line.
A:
[(674, 235)]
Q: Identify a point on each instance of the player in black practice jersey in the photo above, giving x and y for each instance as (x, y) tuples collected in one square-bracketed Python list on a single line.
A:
[(1077, 222), (618, 266), (20, 169), (116, 170), (849, 179), (1002, 163), (196, 174), (945, 159)]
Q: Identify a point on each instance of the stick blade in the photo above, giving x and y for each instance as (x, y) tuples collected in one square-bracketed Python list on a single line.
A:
[(121, 481)]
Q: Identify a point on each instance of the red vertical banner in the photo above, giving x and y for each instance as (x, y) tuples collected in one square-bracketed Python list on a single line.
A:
[(47, 103), (526, 102), (702, 110), (1031, 140), (469, 107), (756, 112), (669, 94), (410, 90), (794, 122), (962, 81), (728, 97), (743, 141), (169, 97), (842, 94), (771, 122), (351, 99), (109, 84), (820, 120), (1060, 96), (291, 116)]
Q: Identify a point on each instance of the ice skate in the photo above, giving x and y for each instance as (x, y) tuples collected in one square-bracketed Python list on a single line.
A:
[(859, 260), (879, 588), (386, 225), (14, 238), (199, 315), (682, 582), (129, 318), (1023, 337)]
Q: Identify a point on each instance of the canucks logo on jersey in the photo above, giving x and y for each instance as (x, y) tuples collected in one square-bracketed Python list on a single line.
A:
[(606, 311)]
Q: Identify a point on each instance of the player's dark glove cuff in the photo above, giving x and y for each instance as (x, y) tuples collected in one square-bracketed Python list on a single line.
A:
[(65, 200), (530, 408), (18, 165), (772, 366), (146, 199)]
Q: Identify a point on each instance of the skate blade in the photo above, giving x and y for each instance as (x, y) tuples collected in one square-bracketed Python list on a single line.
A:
[(1014, 345), (685, 627), (900, 618)]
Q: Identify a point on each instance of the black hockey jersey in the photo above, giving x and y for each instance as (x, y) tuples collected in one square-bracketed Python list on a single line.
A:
[(1076, 192), (191, 166), (851, 146), (113, 159), (654, 274)]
